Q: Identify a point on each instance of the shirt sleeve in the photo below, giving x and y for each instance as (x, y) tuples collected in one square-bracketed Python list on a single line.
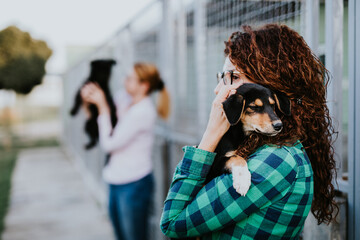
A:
[(125, 131), (193, 210)]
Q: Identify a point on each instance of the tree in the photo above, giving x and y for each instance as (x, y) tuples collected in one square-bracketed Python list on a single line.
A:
[(22, 60)]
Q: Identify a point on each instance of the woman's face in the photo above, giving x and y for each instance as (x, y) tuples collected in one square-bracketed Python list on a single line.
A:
[(132, 83), (238, 77)]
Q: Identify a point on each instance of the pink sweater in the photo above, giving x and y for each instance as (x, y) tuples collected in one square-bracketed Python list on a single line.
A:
[(131, 142)]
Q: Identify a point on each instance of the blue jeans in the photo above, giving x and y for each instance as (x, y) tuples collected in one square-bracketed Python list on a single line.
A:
[(129, 208)]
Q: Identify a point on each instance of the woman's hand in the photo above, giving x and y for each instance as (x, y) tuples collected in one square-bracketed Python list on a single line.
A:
[(92, 93), (218, 123)]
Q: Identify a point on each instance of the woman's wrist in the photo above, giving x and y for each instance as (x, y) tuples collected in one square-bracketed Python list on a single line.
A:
[(210, 141), (103, 108)]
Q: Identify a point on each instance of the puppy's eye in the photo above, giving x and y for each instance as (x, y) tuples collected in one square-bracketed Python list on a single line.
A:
[(255, 108)]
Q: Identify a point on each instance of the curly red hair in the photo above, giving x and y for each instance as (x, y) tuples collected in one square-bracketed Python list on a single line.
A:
[(277, 57)]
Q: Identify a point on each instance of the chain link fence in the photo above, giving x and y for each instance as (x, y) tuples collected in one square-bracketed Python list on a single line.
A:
[(185, 39)]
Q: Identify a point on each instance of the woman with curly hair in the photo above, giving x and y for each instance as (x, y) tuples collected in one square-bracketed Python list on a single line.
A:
[(291, 172)]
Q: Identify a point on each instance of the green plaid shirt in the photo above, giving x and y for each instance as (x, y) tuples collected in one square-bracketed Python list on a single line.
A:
[(275, 207)]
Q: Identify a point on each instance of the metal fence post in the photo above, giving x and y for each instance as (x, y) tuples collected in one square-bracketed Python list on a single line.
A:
[(167, 43), (200, 60), (311, 26), (182, 48), (334, 13), (166, 49), (354, 119), (356, 122), (167, 71)]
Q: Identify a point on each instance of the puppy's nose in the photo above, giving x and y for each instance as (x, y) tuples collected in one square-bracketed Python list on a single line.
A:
[(277, 126)]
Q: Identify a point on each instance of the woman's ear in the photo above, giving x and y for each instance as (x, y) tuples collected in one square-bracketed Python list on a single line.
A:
[(233, 108), (283, 103), (145, 87)]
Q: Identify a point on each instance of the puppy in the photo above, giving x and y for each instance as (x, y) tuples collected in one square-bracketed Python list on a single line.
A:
[(100, 73), (251, 109)]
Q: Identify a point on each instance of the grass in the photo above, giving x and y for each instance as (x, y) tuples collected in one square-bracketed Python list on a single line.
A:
[(7, 163), (8, 157)]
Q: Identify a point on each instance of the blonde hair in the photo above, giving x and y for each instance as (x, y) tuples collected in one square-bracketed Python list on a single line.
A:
[(149, 73)]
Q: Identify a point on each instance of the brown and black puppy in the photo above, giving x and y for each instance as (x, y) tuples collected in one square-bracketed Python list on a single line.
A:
[(251, 109)]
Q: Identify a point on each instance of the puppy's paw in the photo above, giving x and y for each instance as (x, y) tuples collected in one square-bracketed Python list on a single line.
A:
[(241, 179)]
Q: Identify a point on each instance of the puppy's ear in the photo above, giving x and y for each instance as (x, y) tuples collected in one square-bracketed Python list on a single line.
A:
[(283, 103), (233, 108)]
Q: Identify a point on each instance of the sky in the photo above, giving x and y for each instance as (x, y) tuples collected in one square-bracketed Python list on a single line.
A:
[(64, 23)]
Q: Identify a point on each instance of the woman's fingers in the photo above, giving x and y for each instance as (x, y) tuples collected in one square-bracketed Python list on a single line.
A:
[(224, 93), (87, 92), (217, 111), (89, 88), (218, 123), (92, 93), (84, 92), (96, 85)]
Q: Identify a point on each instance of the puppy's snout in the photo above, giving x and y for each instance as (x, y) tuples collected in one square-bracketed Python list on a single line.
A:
[(277, 126)]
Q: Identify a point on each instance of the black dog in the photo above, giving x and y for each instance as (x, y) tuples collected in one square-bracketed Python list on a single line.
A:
[(100, 73), (251, 109)]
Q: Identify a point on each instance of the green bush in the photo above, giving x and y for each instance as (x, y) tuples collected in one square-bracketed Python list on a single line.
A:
[(22, 60)]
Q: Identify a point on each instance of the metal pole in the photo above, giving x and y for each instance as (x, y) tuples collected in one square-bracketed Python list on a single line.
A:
[(334, 13), (356, 122), (182, 49), (200, 60), (167, 71), (352, 125), (312, 24), (167, 49)]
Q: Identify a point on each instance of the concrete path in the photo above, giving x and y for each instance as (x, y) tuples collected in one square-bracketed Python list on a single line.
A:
[(49, 200)]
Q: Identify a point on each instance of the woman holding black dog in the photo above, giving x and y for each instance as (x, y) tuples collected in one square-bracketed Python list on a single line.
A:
[(129, 170), (291, 172)]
